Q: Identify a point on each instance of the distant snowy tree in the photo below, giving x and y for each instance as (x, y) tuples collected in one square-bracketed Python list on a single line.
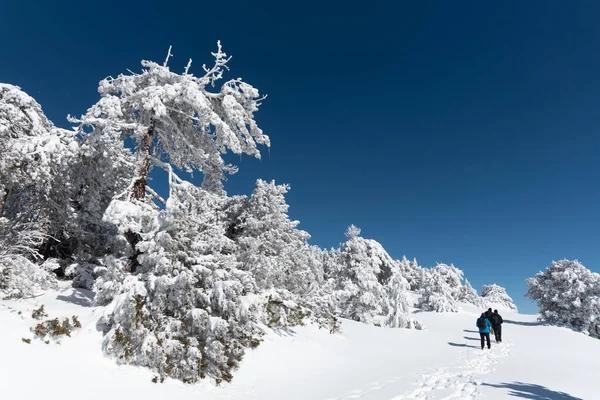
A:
[(568, 294), (441, 289), (469, 295), (364, 268), (413, 272), (399, 303), (494, 294)]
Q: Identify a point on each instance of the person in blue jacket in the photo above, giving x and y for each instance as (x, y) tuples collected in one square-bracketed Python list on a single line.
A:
[(484, 326)]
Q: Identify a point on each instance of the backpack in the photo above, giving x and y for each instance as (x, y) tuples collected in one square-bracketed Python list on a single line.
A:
[(481, 323)]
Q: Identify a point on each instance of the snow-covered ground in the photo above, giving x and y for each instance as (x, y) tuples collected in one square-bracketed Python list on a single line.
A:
[(364, 362)]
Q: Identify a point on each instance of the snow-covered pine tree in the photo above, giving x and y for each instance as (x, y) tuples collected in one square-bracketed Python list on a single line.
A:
[(494, 294), (399, 302), (365, 268), (568, 294), (441, 289), (287, 270), (469, 295), (413, 272), (189, 312)]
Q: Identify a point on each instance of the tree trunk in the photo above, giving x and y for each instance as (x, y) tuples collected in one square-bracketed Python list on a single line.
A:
[(138, 193), (139, 187)]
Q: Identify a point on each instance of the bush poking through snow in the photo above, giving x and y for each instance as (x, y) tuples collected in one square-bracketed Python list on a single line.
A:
[(54, 328), (28, 341), (39, 313)]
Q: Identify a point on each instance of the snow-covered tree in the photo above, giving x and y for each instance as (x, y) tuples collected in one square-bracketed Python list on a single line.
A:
[(568, 294), (441, 289), (34, 195), (494, 294), (178, 119), (189, 312), (269, 240), (399, 302), (412, 271), (469, 295), (276, 253), (365, 268)]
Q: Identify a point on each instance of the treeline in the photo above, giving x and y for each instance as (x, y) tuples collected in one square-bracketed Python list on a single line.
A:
[(191, 280)]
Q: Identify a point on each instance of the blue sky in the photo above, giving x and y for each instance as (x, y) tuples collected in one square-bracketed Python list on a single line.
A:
[(457, 132)]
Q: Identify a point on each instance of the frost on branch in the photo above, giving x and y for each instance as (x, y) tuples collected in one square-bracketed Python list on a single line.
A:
[(177, 119)]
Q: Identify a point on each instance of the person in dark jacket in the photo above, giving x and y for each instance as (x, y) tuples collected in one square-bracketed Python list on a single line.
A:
[(496, 320), (484, 332), (488, 315)]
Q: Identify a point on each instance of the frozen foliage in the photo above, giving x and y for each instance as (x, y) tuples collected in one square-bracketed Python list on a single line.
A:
[(568, 294), (441, 289), (494, 294), (469, 295)]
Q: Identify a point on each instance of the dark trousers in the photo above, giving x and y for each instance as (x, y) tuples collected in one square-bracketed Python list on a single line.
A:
[(498, 333), (485, 336)]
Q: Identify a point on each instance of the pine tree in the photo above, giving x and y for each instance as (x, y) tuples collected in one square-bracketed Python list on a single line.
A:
[(364, 267)]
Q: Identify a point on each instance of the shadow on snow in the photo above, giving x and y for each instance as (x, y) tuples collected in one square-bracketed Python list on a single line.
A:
[(463, 345), (81, 297), (531, 391), (536, 323), (470, 331)]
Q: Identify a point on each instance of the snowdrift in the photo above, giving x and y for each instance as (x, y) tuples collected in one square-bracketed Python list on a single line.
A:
[(363, 362)]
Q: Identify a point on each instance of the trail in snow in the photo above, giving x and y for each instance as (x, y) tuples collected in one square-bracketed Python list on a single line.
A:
[(461, 381)]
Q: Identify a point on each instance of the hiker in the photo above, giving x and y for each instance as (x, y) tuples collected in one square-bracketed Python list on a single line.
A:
[(488, 315), (484, 326), (496, 320)]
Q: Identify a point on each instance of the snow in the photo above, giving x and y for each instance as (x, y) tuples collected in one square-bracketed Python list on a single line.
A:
[(363, 362)]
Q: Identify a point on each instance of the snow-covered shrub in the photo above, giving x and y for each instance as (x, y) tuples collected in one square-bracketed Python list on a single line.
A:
[(568, 294), (441, 289), (468, 294), (494, 294)]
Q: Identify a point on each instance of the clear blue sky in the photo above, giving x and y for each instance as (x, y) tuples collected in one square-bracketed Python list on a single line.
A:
[(457, 132)]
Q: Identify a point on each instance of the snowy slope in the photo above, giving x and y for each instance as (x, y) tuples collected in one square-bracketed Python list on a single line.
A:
[(364, 362)]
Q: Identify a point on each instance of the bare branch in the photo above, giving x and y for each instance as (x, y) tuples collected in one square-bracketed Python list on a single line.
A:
[(169, 55)]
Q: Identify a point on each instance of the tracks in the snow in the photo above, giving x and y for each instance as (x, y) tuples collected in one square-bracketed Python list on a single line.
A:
[(457, 382), (461, 381)]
